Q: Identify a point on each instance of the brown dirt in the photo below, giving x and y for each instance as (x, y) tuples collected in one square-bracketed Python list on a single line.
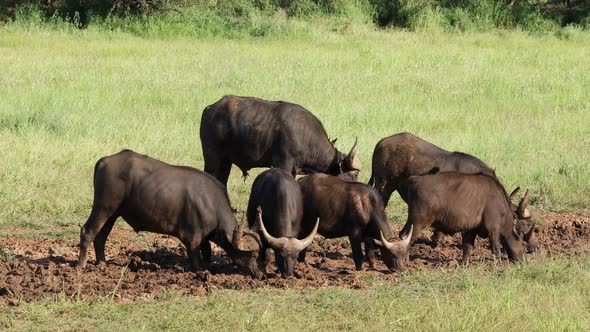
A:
[(150, 265)]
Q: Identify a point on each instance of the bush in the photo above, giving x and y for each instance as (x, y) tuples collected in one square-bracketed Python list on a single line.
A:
[(262, 17)]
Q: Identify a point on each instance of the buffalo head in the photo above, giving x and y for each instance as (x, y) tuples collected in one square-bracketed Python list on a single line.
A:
[(288, 248), (394, 253), (524, 227), (247, 245)]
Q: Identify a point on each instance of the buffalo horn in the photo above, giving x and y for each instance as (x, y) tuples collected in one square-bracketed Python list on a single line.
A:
[(527, 236), (404, 242), (354, 149), (304, 243), (272, 241), (513, 193), (522, 207)]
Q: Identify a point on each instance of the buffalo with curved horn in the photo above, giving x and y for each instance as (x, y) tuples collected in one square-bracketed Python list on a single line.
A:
[(276, 198)]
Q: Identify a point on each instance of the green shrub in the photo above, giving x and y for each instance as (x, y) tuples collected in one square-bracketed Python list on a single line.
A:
[(235, 18)]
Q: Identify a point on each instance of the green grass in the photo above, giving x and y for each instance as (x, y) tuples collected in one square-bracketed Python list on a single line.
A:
[(550, 295), (67, 98), (517, 101)]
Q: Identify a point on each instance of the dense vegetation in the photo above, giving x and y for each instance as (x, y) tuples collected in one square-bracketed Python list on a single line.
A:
[(238, 18)]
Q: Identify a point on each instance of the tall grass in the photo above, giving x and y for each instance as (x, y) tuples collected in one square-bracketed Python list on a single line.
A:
[(69, 97), (551, 295)]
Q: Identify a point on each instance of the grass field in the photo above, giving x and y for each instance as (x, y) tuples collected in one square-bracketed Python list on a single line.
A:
[(519, 102)]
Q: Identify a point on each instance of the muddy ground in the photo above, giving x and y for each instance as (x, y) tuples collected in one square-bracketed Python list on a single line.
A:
[(147, 266)]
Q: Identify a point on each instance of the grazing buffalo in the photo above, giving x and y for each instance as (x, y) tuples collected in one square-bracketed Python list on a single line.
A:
[(473, 204), (403, 155), (251, 132), (351, 209), (180, 201), (275, 208)]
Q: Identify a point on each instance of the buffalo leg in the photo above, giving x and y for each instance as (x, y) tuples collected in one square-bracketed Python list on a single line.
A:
[(418, 227), (495, 245), (357, 252), (206, 252), (468, 243), (386, 195), (98, 218), (101, 239), (370, 252), (194, 254), (435, 240), (405, 230), (193, 248), (384, 188), (217, 166), (222, 171), (266, 256)]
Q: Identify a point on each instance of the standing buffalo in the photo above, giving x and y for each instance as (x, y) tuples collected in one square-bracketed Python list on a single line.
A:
[(276, 204), (473, 204), (351, 209), (180, 201), (403, 155), (251, 132)]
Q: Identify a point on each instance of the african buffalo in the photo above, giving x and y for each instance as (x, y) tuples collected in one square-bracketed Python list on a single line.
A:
[(400, 156), (403, 155), (351, 209), (473, 204), (275, 209), (153, 196), (251, 132)]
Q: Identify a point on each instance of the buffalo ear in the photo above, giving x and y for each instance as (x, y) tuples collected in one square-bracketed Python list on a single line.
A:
[(333, 142), (377, 242)]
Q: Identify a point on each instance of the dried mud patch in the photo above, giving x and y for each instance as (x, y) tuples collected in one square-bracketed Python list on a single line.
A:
[(148, 266)]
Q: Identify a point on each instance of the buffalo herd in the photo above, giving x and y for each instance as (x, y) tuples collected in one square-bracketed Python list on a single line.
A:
[(449, 192)]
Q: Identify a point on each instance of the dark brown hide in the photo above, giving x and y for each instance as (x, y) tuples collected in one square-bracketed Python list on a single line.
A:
[(156, 197), (473, 204), (348, 209), (251, 132)]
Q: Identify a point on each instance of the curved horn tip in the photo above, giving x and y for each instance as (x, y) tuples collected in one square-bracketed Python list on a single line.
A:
[(354, 149), (513, 193), (526, 196), (304, 243), (272, 241), (386, 243), (406, 240)]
